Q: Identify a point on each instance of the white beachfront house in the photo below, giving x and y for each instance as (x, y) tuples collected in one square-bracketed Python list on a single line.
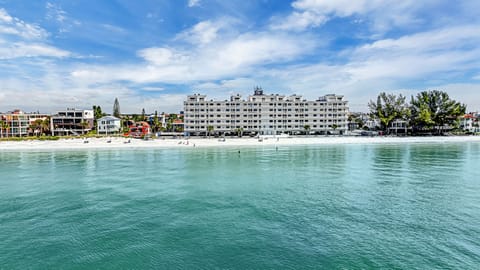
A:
[(469, 122), (71, 122), (108, 125)]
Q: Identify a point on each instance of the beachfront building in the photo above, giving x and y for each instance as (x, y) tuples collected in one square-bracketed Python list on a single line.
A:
[(170, 122), (398, 126), (265, 114), (470, 122), (108, 125), (139, 130), (17, 123), (71, 122)]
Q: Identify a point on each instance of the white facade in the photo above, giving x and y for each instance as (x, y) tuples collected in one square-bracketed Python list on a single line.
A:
[(71, 121), (108, 125), (469, 122), (266, 114)]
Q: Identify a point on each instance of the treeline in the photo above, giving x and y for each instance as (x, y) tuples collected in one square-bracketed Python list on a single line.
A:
[(427, 112)]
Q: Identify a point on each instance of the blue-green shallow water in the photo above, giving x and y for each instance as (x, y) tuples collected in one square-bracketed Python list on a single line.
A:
[(409, 206)]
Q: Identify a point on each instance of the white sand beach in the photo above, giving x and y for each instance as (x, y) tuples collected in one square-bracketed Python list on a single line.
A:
[(117, 142)]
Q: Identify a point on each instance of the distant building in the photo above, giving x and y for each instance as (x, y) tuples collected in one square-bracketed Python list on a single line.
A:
[(71, 122), (172, 122), (108, 125), (398, 126), (178, 125), (266, 114), (470, 122), (19, 122), (139, 130)]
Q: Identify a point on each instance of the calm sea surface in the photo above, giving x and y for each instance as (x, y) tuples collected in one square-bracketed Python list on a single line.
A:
[(405, 206)]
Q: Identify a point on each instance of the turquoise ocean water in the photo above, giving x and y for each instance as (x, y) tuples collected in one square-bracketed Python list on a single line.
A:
[(398, 206)]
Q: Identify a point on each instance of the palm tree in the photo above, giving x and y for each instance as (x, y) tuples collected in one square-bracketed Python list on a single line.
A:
[(307, 129), (84, 124), (36, 126), (209, 130), (4, 126), (1, 128), (239, 132), (45, 126), (334, 127)]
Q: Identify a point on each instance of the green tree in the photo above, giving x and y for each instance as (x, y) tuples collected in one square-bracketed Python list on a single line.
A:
[(389, 108), (307, 129), (45, 126), (156, 123), (125, 122), (355, 119), (239, 132), (209, 130), (4, 127), (334, 127), (116, 108), (37, 127), (435, 110), (84, 124), (97, 114)]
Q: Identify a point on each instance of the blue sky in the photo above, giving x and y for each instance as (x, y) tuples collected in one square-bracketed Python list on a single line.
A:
[(151, 54)]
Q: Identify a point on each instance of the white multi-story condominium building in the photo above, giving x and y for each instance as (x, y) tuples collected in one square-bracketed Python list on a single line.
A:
[(71, 122), (17, 123), (266, 114), (108, 125)]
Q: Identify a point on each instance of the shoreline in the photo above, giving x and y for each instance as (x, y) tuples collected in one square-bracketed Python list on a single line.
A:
[(123, 143)]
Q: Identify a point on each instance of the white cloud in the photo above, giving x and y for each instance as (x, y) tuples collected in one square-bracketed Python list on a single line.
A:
[(221, 59), (202, 33), (55, 12), (340, 8), (4, 17), (226, 87), (153, 89), (299, 21), (21, 39), (439, 39), (193, 3), (113, 28), (16, 27), (49, 94), (20, 49), (383, 13), (160, 56), (443, 50)]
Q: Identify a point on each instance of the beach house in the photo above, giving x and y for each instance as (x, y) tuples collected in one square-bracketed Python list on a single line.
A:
[(108, 125), (71, 122), (470, 122)]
